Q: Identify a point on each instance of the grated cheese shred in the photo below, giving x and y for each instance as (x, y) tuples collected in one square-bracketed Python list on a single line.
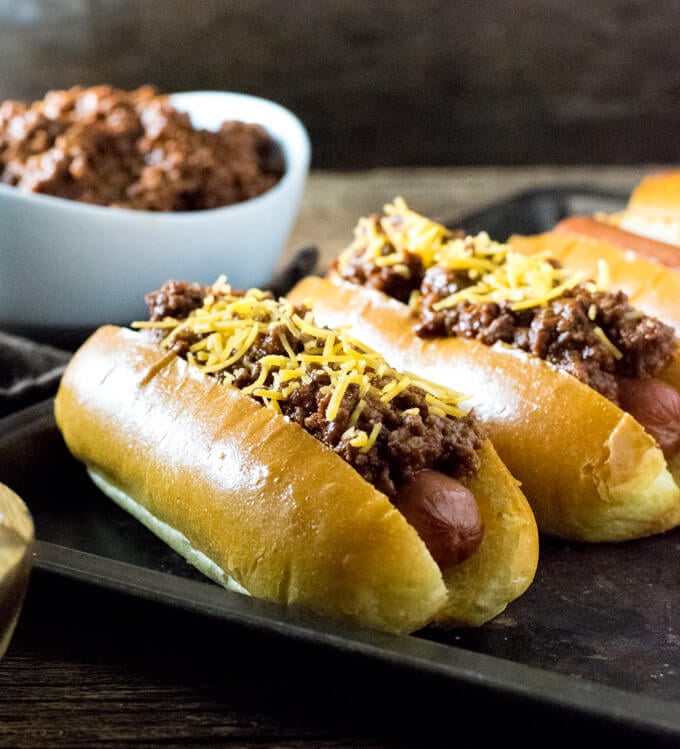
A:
[(229, 325), (500, 274)]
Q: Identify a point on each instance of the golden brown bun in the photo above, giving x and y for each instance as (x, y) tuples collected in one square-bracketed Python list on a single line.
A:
[(653, 209), (251, 496), (589, 470), (651, 287)]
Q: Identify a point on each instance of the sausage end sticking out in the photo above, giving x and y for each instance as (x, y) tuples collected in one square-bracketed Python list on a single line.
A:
[(445, 514), (656, 405)]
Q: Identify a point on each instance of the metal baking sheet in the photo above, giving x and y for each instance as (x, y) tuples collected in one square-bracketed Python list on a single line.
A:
[(595, 640), (595, 635), (536, 211)]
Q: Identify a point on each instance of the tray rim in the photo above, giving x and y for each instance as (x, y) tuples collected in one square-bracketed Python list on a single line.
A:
[(583, 698)]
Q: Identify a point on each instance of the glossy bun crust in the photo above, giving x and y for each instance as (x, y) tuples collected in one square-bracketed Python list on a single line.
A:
[(588, 469), (253, 500), (653, 209)]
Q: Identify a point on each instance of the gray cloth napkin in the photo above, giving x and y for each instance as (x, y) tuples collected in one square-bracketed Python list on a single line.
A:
[(29, 371)]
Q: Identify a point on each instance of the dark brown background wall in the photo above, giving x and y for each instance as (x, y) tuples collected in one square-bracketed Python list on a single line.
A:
[(385, 83)]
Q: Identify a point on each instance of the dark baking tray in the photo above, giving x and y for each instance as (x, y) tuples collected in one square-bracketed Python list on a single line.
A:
[(538, 210), (594, 641), (594, 637)]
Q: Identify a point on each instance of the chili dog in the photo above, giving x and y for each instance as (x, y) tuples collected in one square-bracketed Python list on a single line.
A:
[(577, 390), (291, 462)]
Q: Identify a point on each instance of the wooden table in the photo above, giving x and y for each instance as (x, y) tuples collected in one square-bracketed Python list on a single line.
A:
[(88, 668)]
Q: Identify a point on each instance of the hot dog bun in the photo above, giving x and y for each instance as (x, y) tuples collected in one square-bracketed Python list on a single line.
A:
[(635, 245), (248, 496), (589, 470), (651, 286), (653, 209)]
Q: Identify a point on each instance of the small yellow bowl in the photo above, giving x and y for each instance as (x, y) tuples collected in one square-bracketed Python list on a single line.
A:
[(16, 544)]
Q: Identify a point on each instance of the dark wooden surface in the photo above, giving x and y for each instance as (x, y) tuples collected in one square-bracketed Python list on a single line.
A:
[(387, 82), (89, 668)]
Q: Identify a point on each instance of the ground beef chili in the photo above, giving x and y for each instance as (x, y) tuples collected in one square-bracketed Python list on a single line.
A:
[(104, 146), (408, 444), (564, 331), (412, 438), (396, 280), (175, 299)]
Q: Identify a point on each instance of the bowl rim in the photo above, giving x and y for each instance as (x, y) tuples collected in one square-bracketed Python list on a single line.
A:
[(298, 145)]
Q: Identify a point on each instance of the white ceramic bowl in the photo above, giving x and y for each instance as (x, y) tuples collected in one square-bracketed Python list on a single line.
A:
[(68, 267)]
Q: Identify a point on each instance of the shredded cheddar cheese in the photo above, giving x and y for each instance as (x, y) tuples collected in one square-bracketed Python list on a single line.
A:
[(495, 272), (226, 328), (499, 274)]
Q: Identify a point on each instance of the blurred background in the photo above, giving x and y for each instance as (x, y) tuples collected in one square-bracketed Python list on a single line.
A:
[(380, 84)]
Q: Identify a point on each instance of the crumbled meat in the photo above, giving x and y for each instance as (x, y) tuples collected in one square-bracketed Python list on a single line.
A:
[(568, 332), (646, 343), (411, 438), (409, 441), (396, 279), (395, 282), (175, 299), (104, 146)]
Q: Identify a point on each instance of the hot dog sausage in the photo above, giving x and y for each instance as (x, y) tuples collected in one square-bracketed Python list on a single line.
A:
[(643, 247), (655, 405), (445, 514)]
